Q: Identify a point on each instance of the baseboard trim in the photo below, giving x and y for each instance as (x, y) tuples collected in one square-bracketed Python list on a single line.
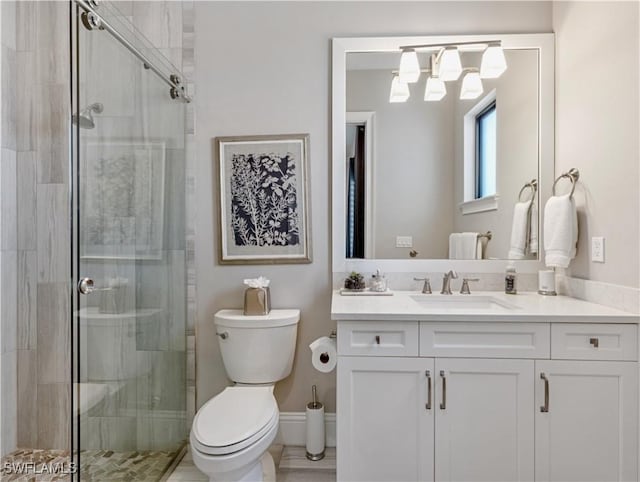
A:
[(293, 429)]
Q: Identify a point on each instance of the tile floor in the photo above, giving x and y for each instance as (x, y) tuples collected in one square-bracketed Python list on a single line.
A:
[(291, 463), (97, 465)]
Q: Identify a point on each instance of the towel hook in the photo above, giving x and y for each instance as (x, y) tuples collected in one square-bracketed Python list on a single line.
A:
[(573, 174), (533, 185)]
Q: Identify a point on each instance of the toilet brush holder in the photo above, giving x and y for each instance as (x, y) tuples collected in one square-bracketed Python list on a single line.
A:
[(315, 428)]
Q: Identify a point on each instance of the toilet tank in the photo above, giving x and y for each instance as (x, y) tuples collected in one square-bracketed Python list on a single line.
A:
[(257, 349)]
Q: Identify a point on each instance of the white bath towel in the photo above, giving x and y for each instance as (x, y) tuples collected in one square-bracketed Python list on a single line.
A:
[(560, 231), (524, 230), (465, 246)]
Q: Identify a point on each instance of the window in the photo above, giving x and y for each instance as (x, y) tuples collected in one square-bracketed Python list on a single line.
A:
[(486, 152)]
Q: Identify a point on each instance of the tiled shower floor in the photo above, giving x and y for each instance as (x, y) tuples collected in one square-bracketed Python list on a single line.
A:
[(97, 465)]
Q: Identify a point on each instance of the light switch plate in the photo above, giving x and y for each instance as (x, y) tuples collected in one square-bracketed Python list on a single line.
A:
[(597, 249), (404, 241)]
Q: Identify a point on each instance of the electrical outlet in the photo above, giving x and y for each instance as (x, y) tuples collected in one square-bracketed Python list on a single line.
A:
[(597, 249), (404, 241)]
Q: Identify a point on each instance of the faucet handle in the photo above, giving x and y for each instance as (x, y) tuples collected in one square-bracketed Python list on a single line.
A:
[(426, 287), (464, 289)]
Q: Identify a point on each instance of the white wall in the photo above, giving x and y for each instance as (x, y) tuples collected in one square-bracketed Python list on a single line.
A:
[(413, 165), (597, 130), (517, 156), (264, 68)]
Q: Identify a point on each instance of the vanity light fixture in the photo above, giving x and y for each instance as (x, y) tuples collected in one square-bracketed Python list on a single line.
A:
[(450, 65), (435, 89), (493, 62), (409, 66), (471, 85), (446, 66), (399, 90)]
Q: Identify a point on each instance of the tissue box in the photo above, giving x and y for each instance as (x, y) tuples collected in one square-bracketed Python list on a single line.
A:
[(257, 301)]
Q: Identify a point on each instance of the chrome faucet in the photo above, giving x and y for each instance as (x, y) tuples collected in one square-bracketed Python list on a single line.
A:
[(446, 282)]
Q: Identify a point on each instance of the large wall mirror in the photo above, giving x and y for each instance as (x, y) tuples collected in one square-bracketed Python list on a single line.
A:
[(443, 150)]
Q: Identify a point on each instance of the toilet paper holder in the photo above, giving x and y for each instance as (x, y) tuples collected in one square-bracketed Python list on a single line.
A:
[(333, 334)]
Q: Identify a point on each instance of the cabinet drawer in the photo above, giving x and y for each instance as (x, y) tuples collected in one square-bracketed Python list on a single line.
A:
[(378, 338), (594, 341), (485, 340)]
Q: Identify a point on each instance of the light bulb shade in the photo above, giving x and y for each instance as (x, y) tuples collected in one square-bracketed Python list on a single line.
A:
[(450, 66), (409, 67), (493, 62), (435, 90), (399, 90), (471, 86)]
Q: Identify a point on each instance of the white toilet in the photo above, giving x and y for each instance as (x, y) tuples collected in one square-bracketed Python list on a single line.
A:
[(232, 432)]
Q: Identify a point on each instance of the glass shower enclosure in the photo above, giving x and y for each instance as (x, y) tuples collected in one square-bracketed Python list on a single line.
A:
[(128, 258)]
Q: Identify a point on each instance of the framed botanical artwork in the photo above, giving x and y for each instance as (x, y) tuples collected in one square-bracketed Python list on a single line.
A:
[(264, 199), (122, 200)]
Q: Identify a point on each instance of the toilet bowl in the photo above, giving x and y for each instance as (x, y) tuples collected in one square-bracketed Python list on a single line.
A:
[(232, 432)]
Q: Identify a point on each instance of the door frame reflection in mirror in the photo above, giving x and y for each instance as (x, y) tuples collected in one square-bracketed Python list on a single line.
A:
[(543, 43)]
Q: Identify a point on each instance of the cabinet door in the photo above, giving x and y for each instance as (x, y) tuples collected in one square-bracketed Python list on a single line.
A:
[(385, 429), (590, 431), (484, 420)]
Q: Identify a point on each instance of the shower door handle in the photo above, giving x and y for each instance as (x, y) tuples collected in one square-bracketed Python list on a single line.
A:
[(86, 286)]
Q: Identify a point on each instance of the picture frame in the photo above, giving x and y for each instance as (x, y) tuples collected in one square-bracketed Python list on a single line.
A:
[(263, 199), (123, 202)]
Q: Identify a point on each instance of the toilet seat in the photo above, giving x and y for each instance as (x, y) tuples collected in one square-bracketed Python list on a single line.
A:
[(235, 419)]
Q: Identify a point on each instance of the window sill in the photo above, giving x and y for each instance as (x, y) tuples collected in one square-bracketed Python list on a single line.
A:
[(487, 203)]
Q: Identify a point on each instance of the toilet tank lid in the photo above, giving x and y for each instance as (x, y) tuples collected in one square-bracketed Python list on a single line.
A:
[(237, 319)]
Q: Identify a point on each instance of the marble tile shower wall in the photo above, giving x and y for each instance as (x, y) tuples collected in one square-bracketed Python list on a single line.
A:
[(8, 232), (34, 243), (40, 91)]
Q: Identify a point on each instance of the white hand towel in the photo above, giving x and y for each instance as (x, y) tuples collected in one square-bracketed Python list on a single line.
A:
[(520, 230), (560, 231), (533, 228), (464, 246)]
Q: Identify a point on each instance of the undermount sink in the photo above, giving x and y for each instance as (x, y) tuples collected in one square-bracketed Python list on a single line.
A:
[(462, 302)]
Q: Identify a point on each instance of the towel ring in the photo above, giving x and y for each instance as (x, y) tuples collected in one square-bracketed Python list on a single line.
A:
[(533, 185), (573, 174)]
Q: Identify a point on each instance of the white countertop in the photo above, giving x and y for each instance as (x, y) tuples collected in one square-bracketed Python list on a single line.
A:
[(526, 307)]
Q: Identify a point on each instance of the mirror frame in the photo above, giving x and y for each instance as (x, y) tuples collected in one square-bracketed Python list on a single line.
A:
[(544, 43)]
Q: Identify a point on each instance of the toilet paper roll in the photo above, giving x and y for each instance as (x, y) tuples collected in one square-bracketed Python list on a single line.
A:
[(324, 354)]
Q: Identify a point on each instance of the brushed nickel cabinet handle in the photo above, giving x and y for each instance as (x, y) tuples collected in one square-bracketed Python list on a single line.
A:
[(443, 404), (428, 405), (595, 342), (545, 407)]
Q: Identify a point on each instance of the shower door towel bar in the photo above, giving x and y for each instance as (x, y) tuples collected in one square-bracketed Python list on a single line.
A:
[(92, 20)]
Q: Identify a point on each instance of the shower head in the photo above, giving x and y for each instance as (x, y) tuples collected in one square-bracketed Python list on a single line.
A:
[(84, 119)]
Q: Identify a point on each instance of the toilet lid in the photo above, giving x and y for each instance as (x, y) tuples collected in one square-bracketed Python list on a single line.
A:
[(234, 416)]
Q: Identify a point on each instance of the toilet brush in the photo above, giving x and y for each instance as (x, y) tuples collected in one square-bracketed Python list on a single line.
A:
[(315, 428)]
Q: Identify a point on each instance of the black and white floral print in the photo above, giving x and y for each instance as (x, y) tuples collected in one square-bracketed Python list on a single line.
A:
[(264, 206)]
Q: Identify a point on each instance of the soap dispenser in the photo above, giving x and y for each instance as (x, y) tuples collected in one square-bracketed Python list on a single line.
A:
[(510, 277)]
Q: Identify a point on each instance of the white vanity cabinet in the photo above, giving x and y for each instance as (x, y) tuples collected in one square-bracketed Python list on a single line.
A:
[(465, 401), (590, 431), (484, 420), (385, 431)]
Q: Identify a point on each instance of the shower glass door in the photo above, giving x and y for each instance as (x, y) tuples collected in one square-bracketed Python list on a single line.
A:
[(129, 258)]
